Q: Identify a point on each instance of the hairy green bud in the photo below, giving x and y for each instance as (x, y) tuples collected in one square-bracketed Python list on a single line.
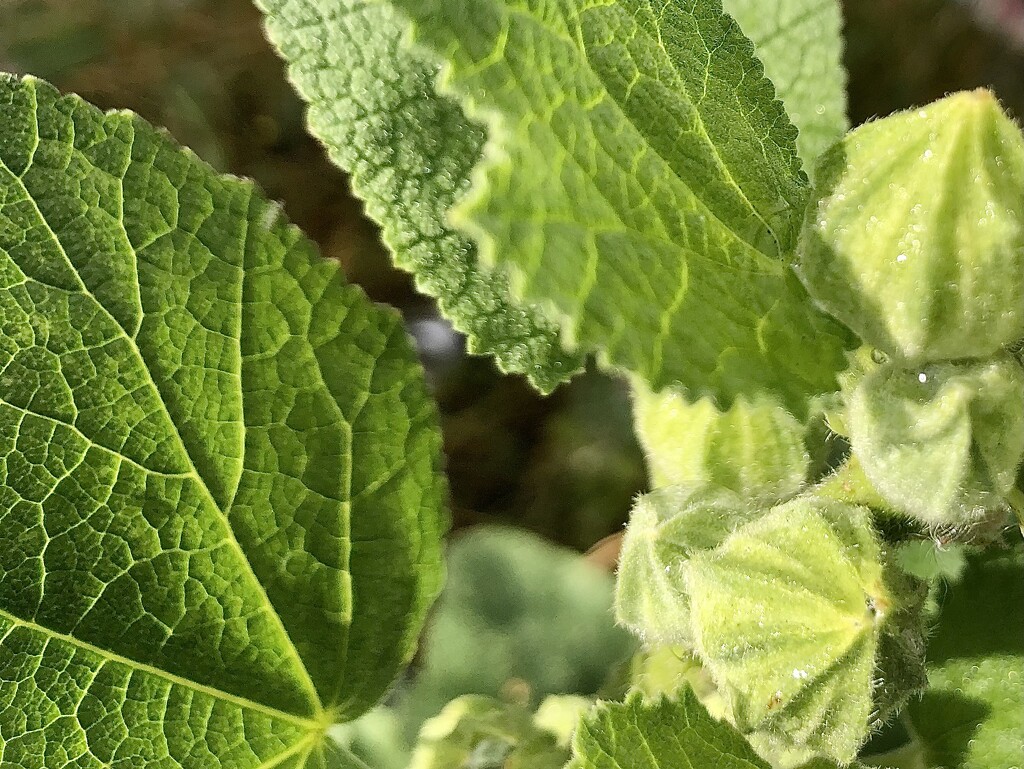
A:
[(915, 235), (940, 442), (666, 527), (810, 636), (755, 449)]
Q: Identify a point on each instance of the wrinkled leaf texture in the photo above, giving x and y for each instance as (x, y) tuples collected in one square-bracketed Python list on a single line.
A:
[(220, 505), (639, 183)]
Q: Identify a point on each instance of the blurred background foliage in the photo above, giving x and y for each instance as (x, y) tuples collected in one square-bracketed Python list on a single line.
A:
[(521, 618)]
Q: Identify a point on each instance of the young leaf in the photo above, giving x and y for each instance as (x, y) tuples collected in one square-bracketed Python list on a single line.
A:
[(755, 449), (410, 151), (800, 44), (797, 620), (971, 715), (220, 506), (660, 735)]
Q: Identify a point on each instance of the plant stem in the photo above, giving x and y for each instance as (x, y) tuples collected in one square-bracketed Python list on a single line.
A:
[(1016, 500)]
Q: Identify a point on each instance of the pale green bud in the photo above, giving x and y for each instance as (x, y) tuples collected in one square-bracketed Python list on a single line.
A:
[(483, 732), (915, 234), (665, 672), (665, 528), (559, 715), (755, 449), (940, 442), (809, 635)]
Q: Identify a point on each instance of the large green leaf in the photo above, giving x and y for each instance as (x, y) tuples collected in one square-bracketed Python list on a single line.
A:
[(640, 182), (800, 43), (220, 506), (410, 153)]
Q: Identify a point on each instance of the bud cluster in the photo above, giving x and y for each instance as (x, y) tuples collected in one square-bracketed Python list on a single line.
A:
[(797, 612), (915, 240)]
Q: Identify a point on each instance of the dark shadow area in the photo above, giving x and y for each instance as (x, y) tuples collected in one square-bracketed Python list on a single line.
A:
[(905, 53), (947, 723), (983, 615)]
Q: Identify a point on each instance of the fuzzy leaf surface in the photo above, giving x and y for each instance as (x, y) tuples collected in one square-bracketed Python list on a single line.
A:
[(971, 714), (641, 183), (220, 506), (410, 153), (661, 735), (800, 43)]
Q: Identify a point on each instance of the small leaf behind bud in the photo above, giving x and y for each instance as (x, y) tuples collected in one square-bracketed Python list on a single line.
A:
[(755, 449)]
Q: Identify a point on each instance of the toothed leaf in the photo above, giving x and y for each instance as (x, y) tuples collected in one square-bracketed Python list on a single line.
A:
[(640, 182), (755, 449), (659, 735), (410, 152)]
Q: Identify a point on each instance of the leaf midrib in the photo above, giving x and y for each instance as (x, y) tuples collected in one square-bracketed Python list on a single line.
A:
[(193, 472), (581, 48), (173, 678)]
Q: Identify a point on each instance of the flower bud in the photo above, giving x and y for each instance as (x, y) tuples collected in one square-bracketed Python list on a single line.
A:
[(665, 528), (809, 633), (915, 234), (941, 442)]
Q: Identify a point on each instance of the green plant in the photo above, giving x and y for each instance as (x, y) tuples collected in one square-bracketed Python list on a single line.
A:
[(221, 506)]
